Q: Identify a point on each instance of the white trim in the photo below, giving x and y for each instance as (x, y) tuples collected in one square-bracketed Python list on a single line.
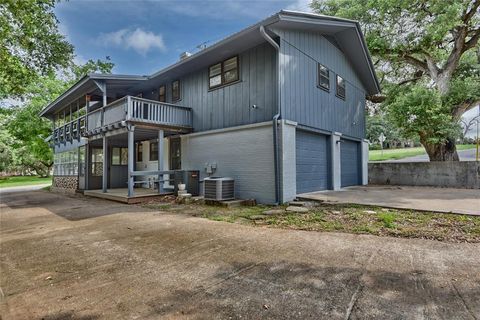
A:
[(237, 128)]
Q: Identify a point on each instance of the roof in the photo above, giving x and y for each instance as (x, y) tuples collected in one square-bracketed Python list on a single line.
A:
[(347, 34)]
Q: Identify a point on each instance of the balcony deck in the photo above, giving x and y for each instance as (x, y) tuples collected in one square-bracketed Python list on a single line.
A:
[(125, 111)]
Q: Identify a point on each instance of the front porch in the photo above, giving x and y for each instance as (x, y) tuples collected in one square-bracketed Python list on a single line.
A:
[(121, 195)]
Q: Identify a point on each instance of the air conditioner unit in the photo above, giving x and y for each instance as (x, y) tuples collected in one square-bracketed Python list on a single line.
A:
[(219, 188)]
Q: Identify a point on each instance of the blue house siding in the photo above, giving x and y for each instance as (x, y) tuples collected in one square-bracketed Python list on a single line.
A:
[(231, 105), (301, 99)]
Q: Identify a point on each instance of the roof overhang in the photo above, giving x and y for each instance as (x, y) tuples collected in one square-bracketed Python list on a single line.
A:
[(347, 34), (91, 84)]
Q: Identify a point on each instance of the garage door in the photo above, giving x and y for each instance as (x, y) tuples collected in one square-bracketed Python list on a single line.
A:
[(312, 162), (350, 163)]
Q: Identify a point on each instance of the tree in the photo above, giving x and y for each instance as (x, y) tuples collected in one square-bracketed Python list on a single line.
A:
[(425, 57), (29, 130), (378, 124), (468, 124), (30, 44)]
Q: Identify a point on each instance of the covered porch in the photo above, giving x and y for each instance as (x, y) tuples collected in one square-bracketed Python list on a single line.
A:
[(113, 160)]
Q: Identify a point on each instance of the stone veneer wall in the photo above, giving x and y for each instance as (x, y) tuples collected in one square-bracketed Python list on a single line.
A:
[(65, 183)]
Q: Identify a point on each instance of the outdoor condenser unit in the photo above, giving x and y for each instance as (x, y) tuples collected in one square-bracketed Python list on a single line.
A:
[(219, 188)]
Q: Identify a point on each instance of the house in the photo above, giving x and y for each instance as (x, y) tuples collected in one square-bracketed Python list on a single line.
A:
[(279, 106)]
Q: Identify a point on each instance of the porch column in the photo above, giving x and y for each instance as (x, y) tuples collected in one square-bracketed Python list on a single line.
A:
[(160, 160), (105, 165), (131, 153), (336, 174)]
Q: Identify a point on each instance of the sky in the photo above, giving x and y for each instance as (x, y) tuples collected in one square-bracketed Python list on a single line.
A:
[(142, 37)]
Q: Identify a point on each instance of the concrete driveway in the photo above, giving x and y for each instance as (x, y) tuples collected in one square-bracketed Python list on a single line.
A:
[(447, 200), (69, 258)]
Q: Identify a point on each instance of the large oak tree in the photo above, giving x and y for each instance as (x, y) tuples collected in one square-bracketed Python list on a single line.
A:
[(31, 45), (427, 57)]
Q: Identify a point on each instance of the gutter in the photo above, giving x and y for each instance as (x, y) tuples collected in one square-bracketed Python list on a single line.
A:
[(276, 117)]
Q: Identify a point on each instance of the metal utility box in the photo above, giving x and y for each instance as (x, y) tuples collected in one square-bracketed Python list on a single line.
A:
[(219, 188), (191, 179)]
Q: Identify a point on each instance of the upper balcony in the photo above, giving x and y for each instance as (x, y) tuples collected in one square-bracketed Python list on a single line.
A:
[(124, 111)]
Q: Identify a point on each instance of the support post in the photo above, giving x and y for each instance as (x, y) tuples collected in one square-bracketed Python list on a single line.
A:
[(105, 165), (364, 149), (336, 174), (131, 153), (160, 160)]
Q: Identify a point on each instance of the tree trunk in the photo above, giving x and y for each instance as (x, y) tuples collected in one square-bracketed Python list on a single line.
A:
[(446, 151)]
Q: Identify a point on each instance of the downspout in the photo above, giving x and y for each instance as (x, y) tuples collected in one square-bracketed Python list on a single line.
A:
[(276, 117)]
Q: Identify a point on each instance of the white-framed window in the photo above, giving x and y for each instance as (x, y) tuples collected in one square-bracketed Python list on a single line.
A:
[(223, 73), (323, 77), (341, 91)]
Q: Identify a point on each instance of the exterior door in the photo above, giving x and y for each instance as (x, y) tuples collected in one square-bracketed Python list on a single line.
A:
[(175, 154), (350, 163), (312, 159)]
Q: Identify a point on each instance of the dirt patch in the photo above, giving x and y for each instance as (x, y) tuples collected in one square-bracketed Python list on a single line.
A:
[(355, 219)]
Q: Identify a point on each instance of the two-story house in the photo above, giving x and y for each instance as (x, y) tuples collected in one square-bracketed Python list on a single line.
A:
[(278, 106)]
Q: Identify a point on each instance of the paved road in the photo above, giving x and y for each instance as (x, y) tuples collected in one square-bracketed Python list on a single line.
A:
[(24, 188), (69, 258), (465, 155)]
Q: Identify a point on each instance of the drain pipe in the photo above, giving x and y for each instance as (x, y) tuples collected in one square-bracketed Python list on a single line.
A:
[(276, 117)]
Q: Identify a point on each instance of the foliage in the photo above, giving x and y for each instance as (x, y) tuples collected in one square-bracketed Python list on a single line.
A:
[(31, 45), (424, 52), (30, 148), (378, 124), (418, 110)]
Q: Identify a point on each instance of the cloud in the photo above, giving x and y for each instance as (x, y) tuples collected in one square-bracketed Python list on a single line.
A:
[(137, 39), (300, 5)]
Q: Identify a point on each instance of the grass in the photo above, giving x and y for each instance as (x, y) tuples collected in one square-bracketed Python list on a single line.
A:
[(22, 181), (355, 219), (395, 154)]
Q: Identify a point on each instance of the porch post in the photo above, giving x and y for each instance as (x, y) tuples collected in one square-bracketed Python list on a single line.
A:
[(105, 164), (160, 160), (131, 153)]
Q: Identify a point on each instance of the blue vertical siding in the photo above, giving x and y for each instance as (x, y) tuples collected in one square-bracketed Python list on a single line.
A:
[(232, 105), (302, 100)]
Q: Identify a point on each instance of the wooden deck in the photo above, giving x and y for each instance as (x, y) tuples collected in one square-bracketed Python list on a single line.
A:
[(121, 195)]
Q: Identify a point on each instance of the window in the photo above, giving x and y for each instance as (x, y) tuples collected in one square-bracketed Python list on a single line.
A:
[(323, 77), (176, 90), (175, 154), (162, 94), (97, 162), (340, 87), (223, 73), (139, 152), (153, 151), (65, 163), (119, 156)]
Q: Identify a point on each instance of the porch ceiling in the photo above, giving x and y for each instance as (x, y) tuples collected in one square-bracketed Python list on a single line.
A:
[(120, 137)]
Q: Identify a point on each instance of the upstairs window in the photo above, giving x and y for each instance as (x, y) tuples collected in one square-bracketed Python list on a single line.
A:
[(162, 94), (176, 90), (341, 87), (223, 73), (323, 77)]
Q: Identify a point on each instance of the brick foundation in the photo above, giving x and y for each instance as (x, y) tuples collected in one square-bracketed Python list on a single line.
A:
[(67, 184)]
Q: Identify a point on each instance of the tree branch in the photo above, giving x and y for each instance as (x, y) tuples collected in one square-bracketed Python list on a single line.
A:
[(422, 65), (376, 98), (473, 41), (463, 107), (468, 15)]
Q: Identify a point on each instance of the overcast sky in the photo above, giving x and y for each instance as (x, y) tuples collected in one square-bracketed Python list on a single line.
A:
[(141, 37)]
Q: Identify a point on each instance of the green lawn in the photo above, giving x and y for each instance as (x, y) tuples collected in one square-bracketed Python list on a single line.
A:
[(394, 154), (23, 181)]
